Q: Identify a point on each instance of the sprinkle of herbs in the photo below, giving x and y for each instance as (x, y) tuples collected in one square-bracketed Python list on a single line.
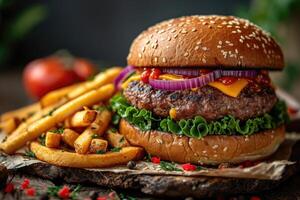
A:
[(30, 154), (167, 166), (116, 149)]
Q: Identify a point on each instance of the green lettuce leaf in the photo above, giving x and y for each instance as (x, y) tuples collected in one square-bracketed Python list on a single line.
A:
[(199, 127)]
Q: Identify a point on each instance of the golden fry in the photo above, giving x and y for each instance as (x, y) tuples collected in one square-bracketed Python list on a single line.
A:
[(52, 140), (69, 136), (35, 129), (98, 145), (97, 128), (101, 79), (9, 125), (21, 113), (69, 159), (82, 118), (57, 95), (115, 139)]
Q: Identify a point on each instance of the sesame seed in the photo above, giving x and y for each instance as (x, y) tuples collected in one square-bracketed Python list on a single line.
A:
[(204, 152), (204, 48), (220, 42), (185, 54), (241, 41), (148, 41), (199, 42), (173, 30), (236, 51), (176, 35), (225, 149), (169, 38), (196, 47), (164, 59), (219, 46), (215, 146), (194, 30), (183, 31), (140, 55), (155, 59), (143, 49), (203, 60)]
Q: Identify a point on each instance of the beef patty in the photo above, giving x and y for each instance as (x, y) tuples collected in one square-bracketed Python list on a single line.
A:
[(206, 101)]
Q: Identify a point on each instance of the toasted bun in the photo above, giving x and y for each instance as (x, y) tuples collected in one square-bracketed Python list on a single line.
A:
[(208, 150), (206, 41)]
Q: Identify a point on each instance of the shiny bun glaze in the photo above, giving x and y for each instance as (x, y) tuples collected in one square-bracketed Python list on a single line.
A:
[(206, 41), (214, 149)]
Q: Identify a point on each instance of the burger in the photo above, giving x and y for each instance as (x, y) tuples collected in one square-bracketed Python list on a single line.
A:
[(197, 90)]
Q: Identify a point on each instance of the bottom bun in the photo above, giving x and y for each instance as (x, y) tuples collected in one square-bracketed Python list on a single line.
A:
[(213, 149)]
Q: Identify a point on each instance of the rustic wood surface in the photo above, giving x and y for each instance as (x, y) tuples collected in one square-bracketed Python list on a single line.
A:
[(162, 186)]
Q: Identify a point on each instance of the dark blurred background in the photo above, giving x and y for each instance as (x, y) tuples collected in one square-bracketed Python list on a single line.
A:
[(103, 31)]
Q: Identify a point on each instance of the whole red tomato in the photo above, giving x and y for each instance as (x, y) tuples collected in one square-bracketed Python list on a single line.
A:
[(46, 74)]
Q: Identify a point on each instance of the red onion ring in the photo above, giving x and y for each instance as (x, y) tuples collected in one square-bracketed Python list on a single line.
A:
[(180, 71), (124, 73), (187, 83)]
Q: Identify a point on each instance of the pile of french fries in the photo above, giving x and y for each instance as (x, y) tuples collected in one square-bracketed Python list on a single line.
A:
[(71, 127)]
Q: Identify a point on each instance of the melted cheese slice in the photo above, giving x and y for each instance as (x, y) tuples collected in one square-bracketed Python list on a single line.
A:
[(233, 89), (136, 77), (170, 77)]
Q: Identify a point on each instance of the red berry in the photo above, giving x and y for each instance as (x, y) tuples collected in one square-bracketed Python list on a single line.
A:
[(145, 76), (255, 198), (64, 192), (189, 167), (155, 74), (9, 188), (30, 192), (155, 160), (101, 198), (25, 184)]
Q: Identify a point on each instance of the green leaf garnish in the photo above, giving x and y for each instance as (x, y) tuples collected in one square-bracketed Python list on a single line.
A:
[(116, 149), (30, 154), (100, 152), (167, 166), (58, 131)]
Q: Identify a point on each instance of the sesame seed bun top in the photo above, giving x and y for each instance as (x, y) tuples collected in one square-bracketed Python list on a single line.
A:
[(206, 41)]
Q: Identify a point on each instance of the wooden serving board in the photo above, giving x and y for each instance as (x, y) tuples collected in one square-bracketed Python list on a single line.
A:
[(161, 185)]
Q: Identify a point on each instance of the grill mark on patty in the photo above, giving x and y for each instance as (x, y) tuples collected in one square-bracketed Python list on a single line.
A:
[(206, 101)]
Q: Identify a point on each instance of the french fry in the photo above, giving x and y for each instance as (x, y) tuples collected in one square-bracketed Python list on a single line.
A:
[(69, 159), (35, 117), (21, 113), (52, 139), (115, 139), (56, 95), (98, 145), (98, 127), (101, 79), (35, 129), (9, 125), (82, 118), (69, 136)]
